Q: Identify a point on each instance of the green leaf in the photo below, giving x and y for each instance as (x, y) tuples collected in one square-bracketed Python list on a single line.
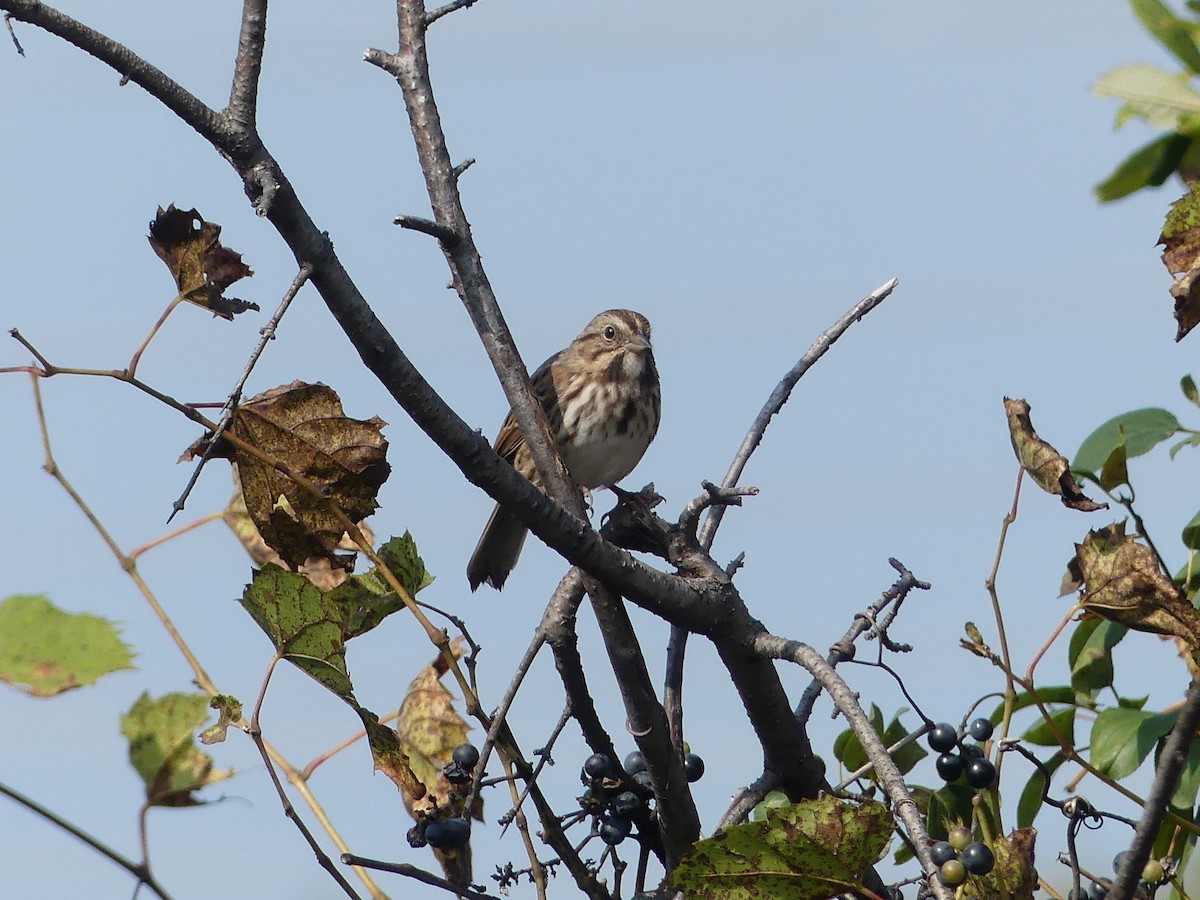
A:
[(162, 750), (849, 752), (1090, 656), (1122, 739), (45, 651), (1023, 700), (1148, 166), (1189, 779), (1162, 99), (1191, 533), (773, 800), (1169, 30), (1144, 429), (948, 804), (366, 600), (815, 848), (1193, 441), (1187, 384), (400, 554), (1030, 803), (304, 624), (1041, 733), (1115, 472)]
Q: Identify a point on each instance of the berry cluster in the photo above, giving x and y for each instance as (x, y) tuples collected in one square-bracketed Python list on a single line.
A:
[(451, 832), (620, 797), (961, 855), (969, 762)]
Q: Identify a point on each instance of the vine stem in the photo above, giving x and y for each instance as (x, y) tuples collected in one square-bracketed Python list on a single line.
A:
[(200, 676), (1010, 692)]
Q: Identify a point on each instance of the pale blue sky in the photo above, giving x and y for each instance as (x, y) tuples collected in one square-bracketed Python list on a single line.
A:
[(741, 176)]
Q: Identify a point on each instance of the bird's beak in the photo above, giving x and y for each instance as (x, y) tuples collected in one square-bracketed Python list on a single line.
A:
[(638, 343)]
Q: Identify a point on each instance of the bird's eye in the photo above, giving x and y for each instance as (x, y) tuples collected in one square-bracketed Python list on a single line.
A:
[(610, 332)]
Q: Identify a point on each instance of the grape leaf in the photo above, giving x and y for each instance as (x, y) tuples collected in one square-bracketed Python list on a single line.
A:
[(1180, 240), (45, 651), (201, 267), (162, 750), (810, 851), (303, 622), (303, 427)]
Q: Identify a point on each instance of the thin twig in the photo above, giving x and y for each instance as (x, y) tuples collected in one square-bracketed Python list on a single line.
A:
[(140, 871), (266, 335), (417, 874), (290, 811), (12, 34), (444, 233), (434, 14), (677, 645)]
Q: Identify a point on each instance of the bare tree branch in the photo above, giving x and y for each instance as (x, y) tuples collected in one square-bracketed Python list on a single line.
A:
[(247, 69), (904, 807), (677, 645)]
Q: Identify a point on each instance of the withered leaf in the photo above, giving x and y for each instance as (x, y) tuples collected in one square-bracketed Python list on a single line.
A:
[(429, 728), (201, 267), (303, 427), (319, 570), (1123, 582), (1013, 874), (1180, 240), (389, 756), (1045, 465)]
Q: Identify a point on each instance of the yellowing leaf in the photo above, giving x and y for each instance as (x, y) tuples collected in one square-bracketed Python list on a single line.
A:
[(1045, 465), (162, 751), (1013, 874), (1180, 240), (45, 651), (429, 728), (229, 712), (201, 267)]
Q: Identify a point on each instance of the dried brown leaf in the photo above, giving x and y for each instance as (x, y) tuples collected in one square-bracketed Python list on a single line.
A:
[(1123, 582), (201, 266), (1045, 465), (303, 427)]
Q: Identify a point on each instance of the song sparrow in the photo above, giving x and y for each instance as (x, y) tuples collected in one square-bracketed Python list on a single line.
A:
[(602, 398)]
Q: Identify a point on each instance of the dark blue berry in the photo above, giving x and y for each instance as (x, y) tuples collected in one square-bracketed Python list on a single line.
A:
[(949, 766), (943, 738), (614, 829), (635, 762), (942, 852), (980, 729), (980, 772), (978, 858), (596, 765), (693, 767), (466, 755)]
